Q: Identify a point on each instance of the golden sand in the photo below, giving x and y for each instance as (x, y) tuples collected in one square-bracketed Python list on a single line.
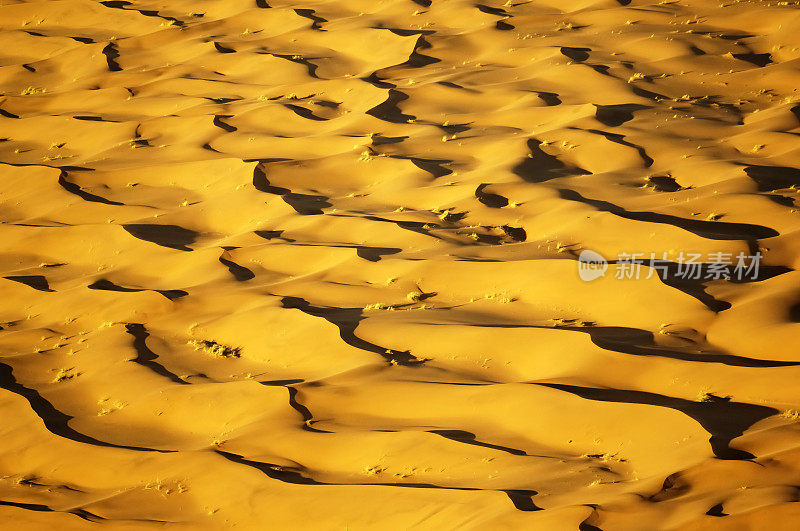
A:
[(314, 265)]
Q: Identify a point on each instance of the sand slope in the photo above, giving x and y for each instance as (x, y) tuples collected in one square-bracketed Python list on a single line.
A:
[(313, 265)]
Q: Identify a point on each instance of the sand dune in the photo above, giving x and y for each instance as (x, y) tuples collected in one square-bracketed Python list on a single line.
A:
[(316, 265)]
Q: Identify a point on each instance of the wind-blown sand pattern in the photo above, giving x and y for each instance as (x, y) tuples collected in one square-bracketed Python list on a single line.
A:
[(271, 264)]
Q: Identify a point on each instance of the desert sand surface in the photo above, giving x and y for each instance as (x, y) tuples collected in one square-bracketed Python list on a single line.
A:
[(271, 264)]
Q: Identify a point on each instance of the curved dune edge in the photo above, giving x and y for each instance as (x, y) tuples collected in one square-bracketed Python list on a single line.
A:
[(272, 264)]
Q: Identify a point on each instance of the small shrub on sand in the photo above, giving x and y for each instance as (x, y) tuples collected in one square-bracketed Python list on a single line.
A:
[(216, 349)]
